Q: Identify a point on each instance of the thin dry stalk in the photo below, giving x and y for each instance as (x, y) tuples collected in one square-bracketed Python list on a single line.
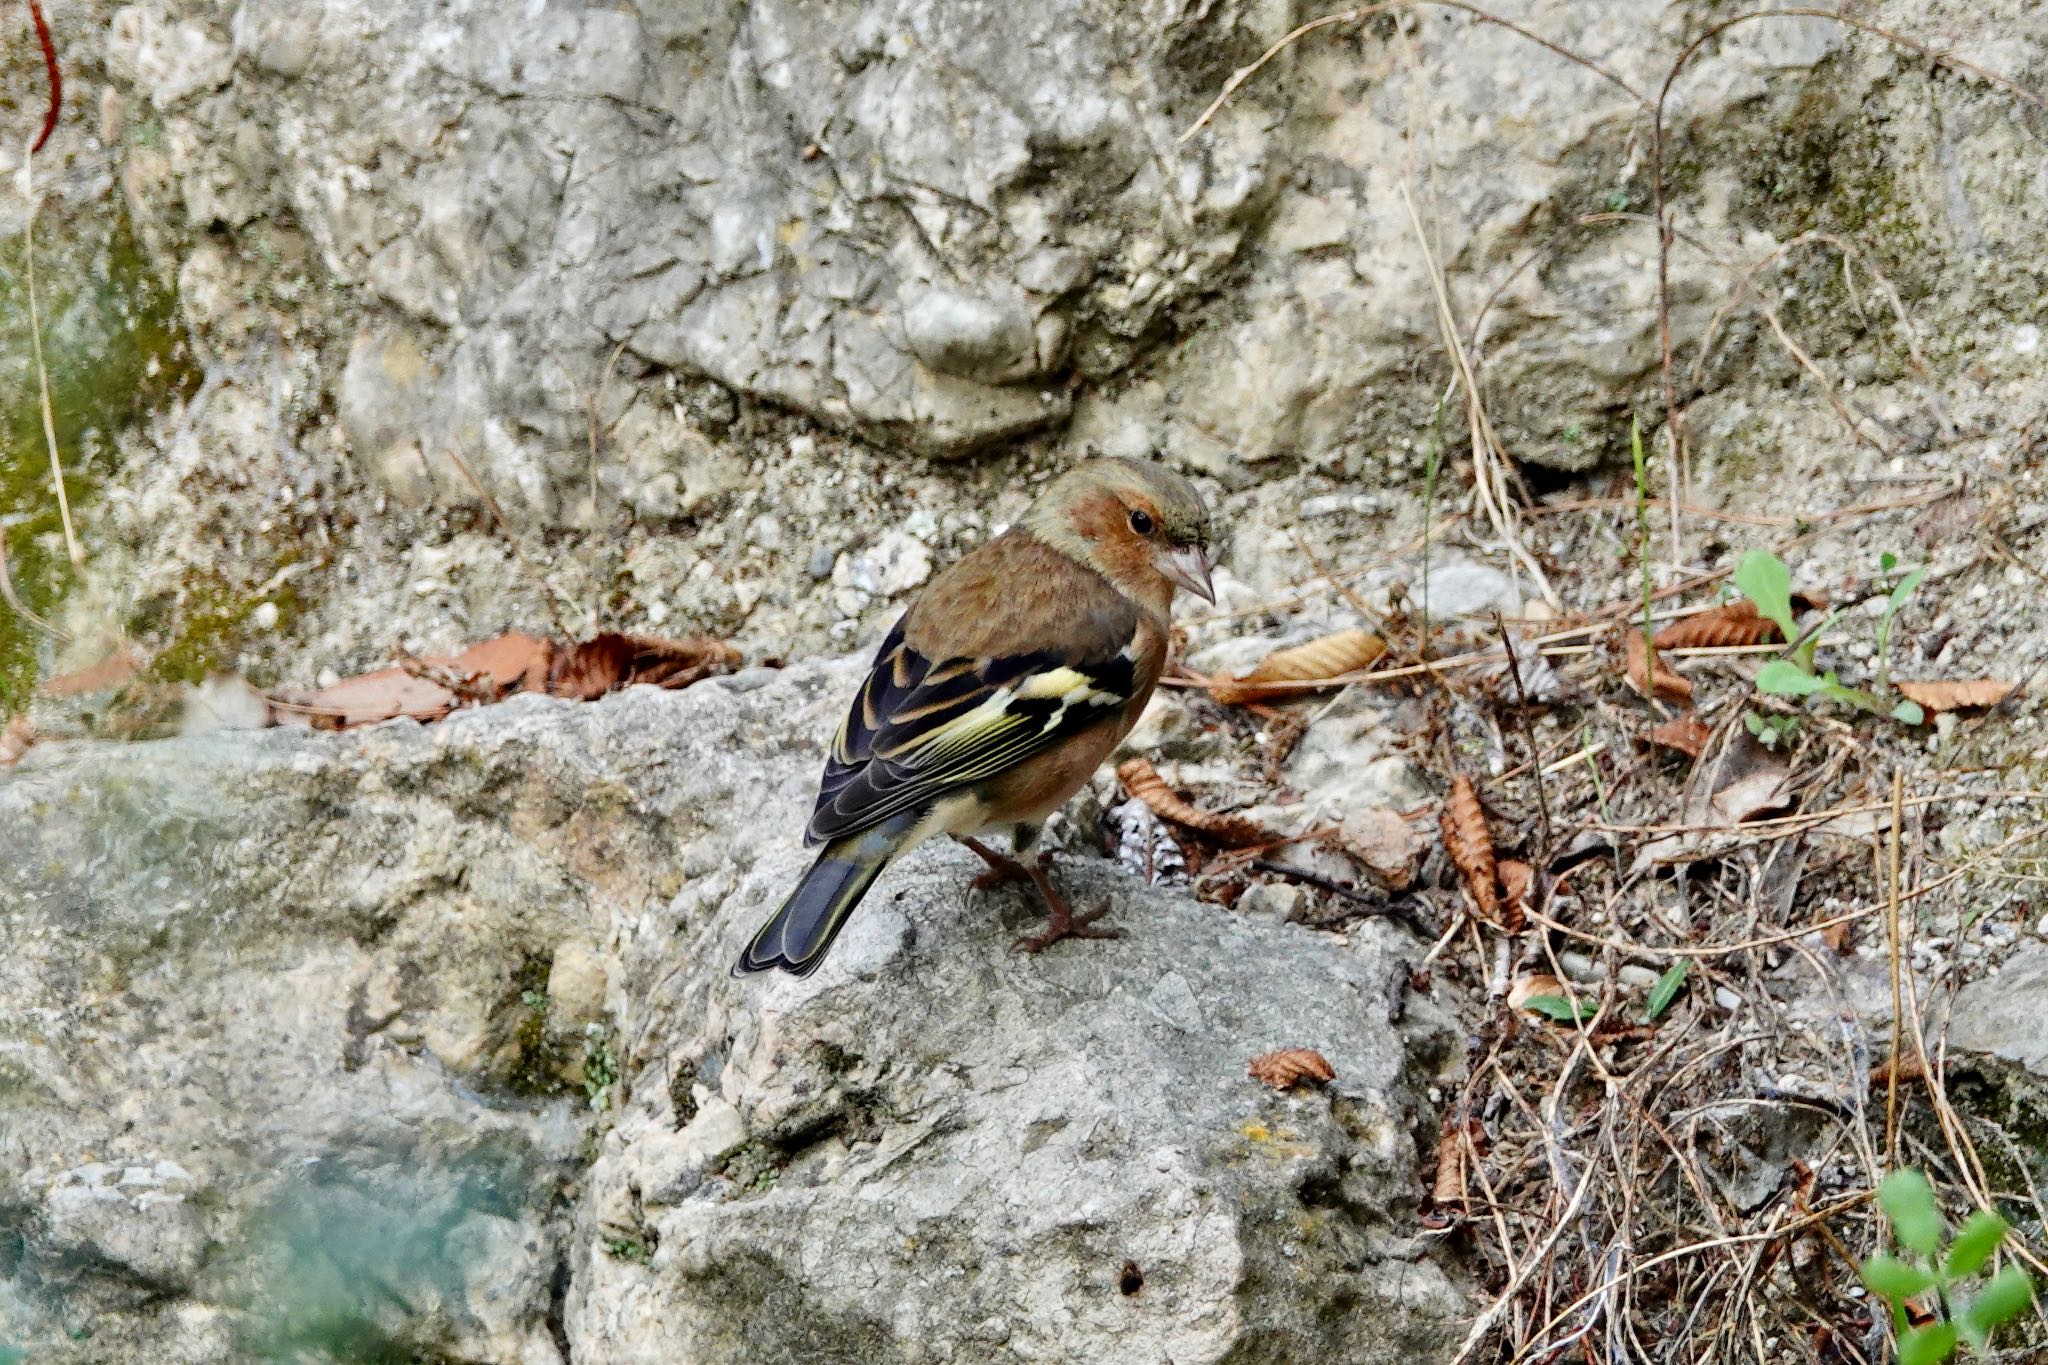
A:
[(1892, 947), (1364, 12), (1489, 458), (35, 332)]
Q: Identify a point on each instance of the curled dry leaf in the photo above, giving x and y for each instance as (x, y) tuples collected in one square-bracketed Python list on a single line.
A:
[(1685, 732), (604, 662), (1956, 696), (1470, 846), (15, 740), (1517, 886), (1308, 665), (1732, 623), (1657, 676), (426, 689), (1290, 1066), (1143, 781)]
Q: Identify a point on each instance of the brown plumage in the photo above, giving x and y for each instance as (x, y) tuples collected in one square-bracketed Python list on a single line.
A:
[(998, 693)]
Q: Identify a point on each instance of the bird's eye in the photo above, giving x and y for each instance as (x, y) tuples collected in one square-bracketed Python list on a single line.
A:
[(1141, 522)]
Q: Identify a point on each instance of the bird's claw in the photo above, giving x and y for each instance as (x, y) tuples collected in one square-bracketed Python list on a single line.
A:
[(998, 876), (1068, 925)]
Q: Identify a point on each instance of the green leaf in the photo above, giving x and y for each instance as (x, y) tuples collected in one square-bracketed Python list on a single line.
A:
[(1904, 590), (1763, 578), (1980, 1235), (1558, 1008), (1665, 991), (1928, 1345), (2005, 1298), (1894, 1279), (1908, 1200), (1783, 678), (1887, 561), (1909, 713)]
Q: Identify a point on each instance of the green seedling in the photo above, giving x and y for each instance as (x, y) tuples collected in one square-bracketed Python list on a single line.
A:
[(1970, 1310), (1561, 1010), (1665, 991), (1763, 578)]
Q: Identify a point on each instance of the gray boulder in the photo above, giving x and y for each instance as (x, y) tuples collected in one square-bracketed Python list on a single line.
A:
[(423, 1040)]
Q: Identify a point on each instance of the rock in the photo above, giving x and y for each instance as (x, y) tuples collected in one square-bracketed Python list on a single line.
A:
[(2000, 1016), (307, 1000)]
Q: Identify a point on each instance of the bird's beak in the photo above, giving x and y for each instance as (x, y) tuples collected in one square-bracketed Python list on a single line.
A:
[(1189, 567)]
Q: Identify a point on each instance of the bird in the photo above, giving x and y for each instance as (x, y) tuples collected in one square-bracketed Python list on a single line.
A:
[(997, 694)]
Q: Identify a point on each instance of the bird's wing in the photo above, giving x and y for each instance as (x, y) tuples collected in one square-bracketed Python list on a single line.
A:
[(923, 727)]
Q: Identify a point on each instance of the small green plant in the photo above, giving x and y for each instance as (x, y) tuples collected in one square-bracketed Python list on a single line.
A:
[(1970, 1312), (600, 1067), (631, 1250), (1666, 991), (1560, 1010), (1763, 578)]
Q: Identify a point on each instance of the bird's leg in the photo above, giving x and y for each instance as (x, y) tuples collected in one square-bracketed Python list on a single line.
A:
[(1064, 923), (1001, 870)]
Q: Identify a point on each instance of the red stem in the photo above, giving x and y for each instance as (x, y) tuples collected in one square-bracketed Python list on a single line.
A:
[(35, 13)]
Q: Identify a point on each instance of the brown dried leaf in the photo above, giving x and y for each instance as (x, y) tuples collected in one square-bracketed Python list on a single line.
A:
[(1517, 885), (1291, 1065), (115, 670), (1533, 986), (380, 695), (1685, 732), (1669, 686), (609, 661), (1309, 664), (1732, 623), (15, 740), (1448, 1189), (1470, 846), (1956, 696), (429, 688), (1387, 844), (1143, 781), (500, 667)]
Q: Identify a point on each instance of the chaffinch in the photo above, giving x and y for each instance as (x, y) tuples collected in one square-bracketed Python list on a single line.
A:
[(996, 695)]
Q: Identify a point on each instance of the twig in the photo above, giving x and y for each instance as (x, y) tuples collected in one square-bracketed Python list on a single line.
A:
[(56, 77), (1891, 927)]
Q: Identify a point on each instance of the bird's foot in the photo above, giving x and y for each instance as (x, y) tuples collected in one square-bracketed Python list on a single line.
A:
[(1001, 870), (1064, 923), (1068, 925)]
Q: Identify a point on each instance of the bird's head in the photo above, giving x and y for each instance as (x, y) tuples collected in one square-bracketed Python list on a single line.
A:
[(1140, 525)]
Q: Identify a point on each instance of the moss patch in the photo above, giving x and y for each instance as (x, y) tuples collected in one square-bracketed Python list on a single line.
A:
[(115, 348)]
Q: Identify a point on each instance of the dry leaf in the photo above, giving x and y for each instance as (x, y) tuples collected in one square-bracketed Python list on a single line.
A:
[(1470, 847), (1733, 623), (1685, 732), (1517, 885), (1143, 781), (1956, 696), (1310, 665), (15, 740), (1669, 686), (368, 698), (1291, 1065), (1448, 1189), (1534, 986), (605, 662), (1752, 796), (113, 671), (1387, 844), (428, 689)]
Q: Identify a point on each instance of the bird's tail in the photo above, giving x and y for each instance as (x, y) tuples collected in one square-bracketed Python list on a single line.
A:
[(796, 937)]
